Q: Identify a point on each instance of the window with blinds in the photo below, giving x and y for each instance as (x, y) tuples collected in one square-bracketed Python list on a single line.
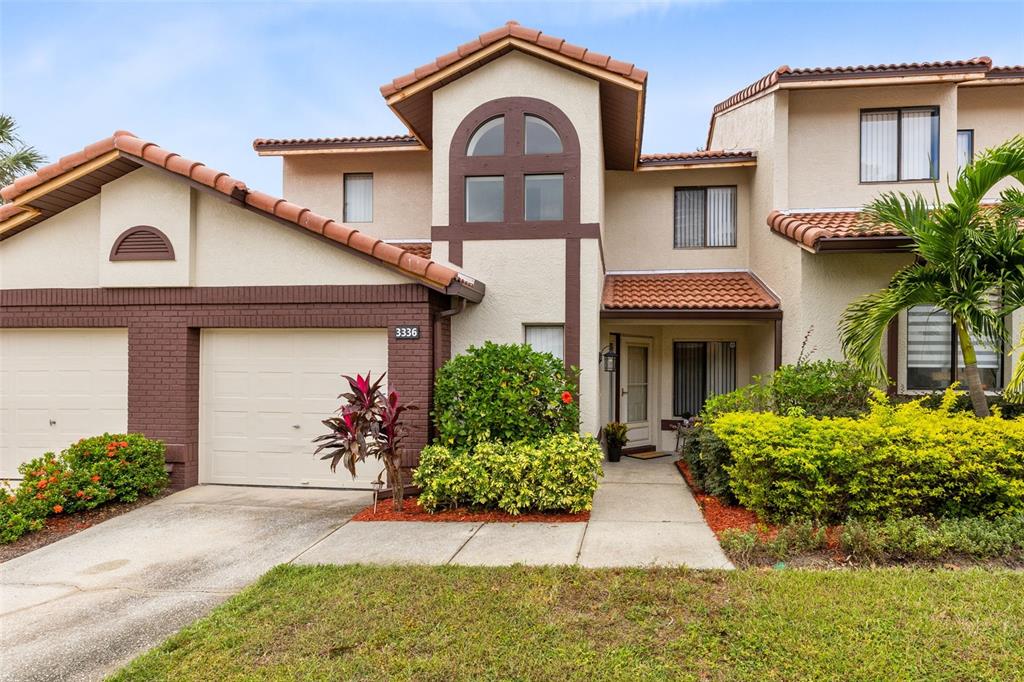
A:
[(899, 144), (964, 149), (932, 347), (358, 198), (704, 217), (701, 369), (546, 338)]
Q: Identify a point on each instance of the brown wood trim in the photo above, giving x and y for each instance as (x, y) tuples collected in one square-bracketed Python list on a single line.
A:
[(163, 250), (778, 343), (618, 377), (454, 250), (885, 244), (572, 302), (513, 166), (638, 449), (283, 295), (501, 231), (892, 355), (694, 314)]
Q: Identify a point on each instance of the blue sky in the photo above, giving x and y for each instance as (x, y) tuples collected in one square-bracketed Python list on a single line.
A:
[(204, 79)]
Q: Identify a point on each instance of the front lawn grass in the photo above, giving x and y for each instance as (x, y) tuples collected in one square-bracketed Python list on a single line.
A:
[(454, 623)]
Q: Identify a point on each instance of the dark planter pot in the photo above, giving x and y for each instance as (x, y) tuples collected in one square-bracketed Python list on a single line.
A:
[(614, 452)]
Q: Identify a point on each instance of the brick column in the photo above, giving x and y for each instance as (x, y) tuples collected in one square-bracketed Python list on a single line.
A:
[(163, 390)]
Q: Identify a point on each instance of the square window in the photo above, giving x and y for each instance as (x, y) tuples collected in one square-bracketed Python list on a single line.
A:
[(546, 338), (544, 197), (704, 217), (485, 199), (899, 144)]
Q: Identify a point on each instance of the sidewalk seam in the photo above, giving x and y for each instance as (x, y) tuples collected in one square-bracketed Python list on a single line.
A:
[(463, 545)]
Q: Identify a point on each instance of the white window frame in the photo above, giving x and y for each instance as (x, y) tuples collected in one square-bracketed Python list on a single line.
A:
[(546, 327), (346, 214)]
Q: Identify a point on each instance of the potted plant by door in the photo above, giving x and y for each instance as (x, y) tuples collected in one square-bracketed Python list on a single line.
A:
[(615, 439)]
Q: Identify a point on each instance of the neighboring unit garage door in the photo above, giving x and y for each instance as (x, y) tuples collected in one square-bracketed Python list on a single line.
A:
[(264, 393), (59, 385)]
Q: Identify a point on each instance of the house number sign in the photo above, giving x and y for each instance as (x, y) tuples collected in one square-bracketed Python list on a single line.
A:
[(406, 332)]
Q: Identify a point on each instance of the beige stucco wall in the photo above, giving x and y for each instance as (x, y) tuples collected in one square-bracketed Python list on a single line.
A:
[(824, 142), (830, 283), (401, 188), (518, 75), (146, 197), (57, 253), (638, 232), (238, 247), (995, 113), (215, 244)]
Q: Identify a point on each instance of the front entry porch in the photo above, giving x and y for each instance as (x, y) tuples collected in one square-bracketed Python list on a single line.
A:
[(668, 360)]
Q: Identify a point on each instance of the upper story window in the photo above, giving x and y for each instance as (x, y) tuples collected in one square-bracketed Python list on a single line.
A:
[(358, 198), (514, 160), (964, 149), (704, 217), (541, 138), (489, 139), (897, 145)]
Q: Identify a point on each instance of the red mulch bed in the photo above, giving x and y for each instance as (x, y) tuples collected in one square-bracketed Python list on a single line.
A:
[(721, 516), (412, 511), (61, 526)]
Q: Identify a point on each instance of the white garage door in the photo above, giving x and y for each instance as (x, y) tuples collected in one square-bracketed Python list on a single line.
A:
[(59, 385), (264, 393)]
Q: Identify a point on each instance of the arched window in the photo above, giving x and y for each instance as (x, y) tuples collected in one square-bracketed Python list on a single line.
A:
[(514, 164), (489, 139)]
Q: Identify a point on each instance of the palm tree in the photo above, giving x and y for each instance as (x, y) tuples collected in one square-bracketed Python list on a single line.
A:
[(965, 251), (16, 158)]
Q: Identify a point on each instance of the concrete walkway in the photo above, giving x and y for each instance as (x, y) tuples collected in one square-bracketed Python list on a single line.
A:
[(644, 515), (82, 607)]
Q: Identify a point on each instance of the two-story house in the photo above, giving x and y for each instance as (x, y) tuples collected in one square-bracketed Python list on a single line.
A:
[(141, 290)]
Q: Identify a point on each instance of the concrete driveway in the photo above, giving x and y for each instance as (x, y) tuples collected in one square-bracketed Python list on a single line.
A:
[(82, 607)]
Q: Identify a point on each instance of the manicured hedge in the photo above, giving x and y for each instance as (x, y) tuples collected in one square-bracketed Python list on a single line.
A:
[(91, 472), (895, 461), (503, 393), (558, 473)]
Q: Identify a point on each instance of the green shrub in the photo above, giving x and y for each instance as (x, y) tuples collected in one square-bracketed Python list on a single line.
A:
[(921, 539), (558, 473), (88, 473), (757, 545), (902, 460), (891, 540), (503, 393), (709, 460), (823, 388)]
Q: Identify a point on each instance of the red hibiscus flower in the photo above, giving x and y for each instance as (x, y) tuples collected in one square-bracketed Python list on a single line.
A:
[(95, 478), (566, 397), (57, 509)]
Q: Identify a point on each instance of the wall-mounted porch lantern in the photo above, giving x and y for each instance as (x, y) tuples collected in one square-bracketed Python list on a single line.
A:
[(609, 359)]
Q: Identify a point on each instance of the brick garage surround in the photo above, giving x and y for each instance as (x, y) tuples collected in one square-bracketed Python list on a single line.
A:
[(164, 332)]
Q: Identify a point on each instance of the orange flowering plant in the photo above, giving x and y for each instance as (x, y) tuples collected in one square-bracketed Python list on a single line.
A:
[(88, 473)]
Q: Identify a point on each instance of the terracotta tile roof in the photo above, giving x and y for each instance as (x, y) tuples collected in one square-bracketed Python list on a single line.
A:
[(368, 142), (809, 228), (710, 156), (513, 29), (138, 149), (1016, 71), (786, 73), (686, 291), (421, 249)]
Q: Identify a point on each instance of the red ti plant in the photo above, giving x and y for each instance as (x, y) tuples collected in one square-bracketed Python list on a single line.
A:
[(369, 425)]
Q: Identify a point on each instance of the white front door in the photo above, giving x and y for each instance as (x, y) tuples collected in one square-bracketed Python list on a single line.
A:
[(263, 395), (636, 391)]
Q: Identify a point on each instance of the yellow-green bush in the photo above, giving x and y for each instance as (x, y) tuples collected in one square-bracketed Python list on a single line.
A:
[(898, 460), (558, 473)]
